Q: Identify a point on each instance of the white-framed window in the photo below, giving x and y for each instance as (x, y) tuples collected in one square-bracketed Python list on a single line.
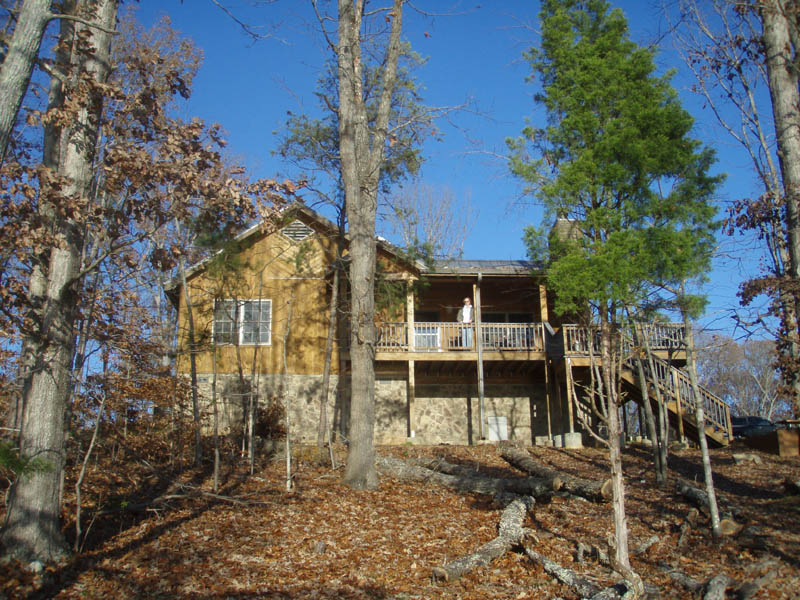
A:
[(246, 322)]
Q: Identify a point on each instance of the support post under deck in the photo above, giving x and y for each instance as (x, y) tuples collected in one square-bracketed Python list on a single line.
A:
[(570, 394), (476, 292)]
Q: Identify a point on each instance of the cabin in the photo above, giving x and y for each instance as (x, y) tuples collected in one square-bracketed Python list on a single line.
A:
[(256, 318)]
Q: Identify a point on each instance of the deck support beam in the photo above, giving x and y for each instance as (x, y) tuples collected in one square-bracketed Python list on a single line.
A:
[(570, 394), (412, 396), (476, 292), (547, 385), (411, 392)]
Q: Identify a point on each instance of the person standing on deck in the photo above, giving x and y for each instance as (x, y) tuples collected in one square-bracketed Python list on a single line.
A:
[(465, 316)]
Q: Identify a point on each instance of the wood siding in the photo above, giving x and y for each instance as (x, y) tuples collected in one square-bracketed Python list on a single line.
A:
[(268, 266)]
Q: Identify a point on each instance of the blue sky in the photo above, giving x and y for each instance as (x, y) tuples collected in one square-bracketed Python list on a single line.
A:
[(474, 53)]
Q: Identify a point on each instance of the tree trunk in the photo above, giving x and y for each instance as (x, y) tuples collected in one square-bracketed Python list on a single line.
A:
[(198, 439), (778, 18), (216, 418), (362, 151), (32, 527), (51, 153), (324, 428), (286, 395), (700, 420), (642, 341), (15, 72), (614, 450)]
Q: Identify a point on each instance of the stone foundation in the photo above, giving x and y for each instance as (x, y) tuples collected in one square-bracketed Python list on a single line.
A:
[(442, 414), (300, 392)]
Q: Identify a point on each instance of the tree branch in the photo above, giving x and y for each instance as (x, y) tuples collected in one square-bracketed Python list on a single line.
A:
[(91, 24)]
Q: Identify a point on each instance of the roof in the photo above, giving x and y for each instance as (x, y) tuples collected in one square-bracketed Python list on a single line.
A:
[(485, 267), (441, 267)]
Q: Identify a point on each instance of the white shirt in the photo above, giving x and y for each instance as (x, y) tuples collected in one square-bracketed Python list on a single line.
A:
[(467, 313)]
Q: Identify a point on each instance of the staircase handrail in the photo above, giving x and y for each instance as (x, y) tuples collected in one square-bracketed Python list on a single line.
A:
[(676, 385)]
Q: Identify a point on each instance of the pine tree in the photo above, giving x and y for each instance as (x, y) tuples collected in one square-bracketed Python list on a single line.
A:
[(616, 159)]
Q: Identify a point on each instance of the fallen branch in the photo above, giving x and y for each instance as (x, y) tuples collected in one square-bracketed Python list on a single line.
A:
[(477, 483), (164, 498), (699, 498), (509, 533), (596, 491), (721, 586), (581, 585), (716, 588), (584, 587)]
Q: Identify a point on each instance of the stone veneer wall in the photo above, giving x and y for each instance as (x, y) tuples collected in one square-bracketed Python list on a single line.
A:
[(391, 410), (451, 413), (443, 414), (303, 393)]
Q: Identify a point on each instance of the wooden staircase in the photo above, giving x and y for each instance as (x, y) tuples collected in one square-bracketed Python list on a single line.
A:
[(671, 381), (676, 391)]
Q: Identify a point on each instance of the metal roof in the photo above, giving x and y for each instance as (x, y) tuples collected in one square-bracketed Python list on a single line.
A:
[(485, 267)]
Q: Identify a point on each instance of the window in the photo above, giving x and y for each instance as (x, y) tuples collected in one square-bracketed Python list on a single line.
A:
[(248, 322)]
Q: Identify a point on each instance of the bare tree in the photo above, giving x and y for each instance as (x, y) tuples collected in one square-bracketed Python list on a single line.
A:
[(362, 148), (433, 219), (743, 374), (742, 54)]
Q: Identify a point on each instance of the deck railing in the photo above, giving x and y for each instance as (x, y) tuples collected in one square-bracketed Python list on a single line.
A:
[(447, 337), (659, 336)]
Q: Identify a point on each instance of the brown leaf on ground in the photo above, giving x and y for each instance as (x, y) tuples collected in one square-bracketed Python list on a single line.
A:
[(325, 541)]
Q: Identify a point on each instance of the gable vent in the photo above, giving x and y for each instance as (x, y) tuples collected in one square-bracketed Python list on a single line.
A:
[(297, 231)]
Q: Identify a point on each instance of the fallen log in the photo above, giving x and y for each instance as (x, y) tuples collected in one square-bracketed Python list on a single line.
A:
[(584, 587), (699, 498), (749, 589), (747, 457), (472, 482), (596, 491), (581, 585), (442, 466), (716, 588), (720, 586), (510, 532)]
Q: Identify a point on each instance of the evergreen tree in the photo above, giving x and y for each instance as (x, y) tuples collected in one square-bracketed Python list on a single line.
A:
[(616, 159)]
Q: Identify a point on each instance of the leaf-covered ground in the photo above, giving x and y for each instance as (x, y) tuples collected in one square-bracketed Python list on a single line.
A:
[(322, 540)]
